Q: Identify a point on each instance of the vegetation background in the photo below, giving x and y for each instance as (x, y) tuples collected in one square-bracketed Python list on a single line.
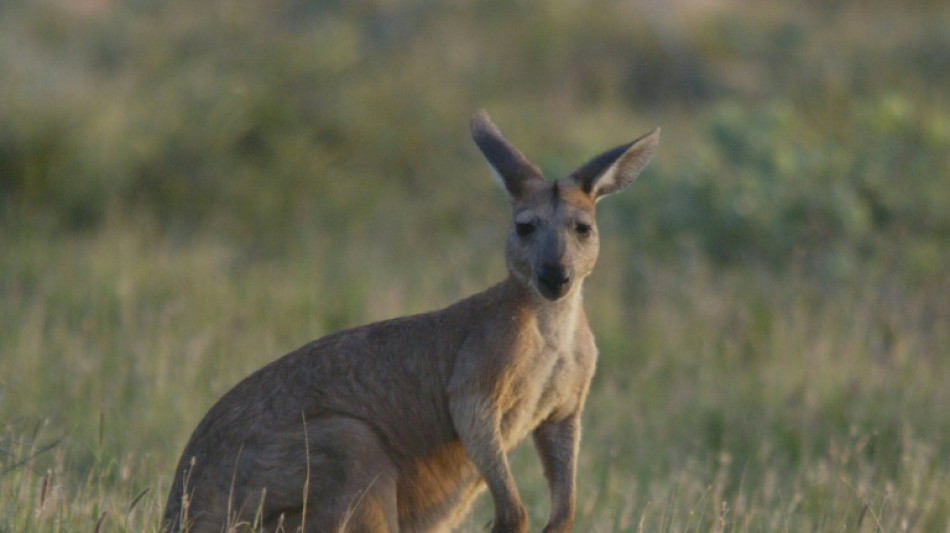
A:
[(191, 189)]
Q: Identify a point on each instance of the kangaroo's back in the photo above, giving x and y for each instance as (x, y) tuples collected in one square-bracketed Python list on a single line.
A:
[(365, 373), (397, 425)]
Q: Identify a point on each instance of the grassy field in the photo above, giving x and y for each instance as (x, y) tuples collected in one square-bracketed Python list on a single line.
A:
[(772, 303), (725, 399)]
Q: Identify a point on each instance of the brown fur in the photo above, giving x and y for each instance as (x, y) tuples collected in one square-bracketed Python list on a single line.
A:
[(396, 426)]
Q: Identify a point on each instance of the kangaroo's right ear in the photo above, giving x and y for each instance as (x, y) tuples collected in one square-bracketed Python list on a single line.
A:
[(615, 169), (509, 166)]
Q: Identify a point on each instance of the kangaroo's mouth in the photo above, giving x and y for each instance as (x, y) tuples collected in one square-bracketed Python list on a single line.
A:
[(553, 282)]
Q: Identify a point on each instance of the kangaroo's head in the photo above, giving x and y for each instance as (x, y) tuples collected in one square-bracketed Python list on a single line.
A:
[(553, 243)]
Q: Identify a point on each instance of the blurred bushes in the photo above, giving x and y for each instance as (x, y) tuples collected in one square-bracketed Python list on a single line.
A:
[(771, 185), (819, 132)]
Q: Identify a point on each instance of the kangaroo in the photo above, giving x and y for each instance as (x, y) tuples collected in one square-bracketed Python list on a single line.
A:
[(396, 426)]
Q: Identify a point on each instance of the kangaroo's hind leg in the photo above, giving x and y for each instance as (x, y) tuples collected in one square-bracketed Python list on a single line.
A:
[(351, 486)]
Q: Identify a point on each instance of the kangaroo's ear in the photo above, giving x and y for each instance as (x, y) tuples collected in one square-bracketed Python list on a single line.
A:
[(509, 166), (614, 169)]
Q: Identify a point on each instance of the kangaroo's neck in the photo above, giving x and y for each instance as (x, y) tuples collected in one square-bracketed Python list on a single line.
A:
[(557, 321)]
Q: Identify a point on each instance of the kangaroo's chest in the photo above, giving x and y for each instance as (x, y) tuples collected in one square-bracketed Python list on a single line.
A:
[(552, 382)]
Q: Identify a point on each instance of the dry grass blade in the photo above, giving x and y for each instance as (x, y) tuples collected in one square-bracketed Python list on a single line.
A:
[(138, 498), (45, 489), (25, 460), (102, 520), (723, 510)]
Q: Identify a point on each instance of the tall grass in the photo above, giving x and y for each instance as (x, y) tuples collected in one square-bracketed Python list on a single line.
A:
[(762, 401)]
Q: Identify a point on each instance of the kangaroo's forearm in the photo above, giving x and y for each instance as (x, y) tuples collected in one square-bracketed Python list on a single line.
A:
[(557, 444)]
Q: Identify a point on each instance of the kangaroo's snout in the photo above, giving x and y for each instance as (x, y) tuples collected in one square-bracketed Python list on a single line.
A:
[(553, 281)]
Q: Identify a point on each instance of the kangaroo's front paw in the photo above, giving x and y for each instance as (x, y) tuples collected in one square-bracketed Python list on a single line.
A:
[(561, 526), (514, 520)]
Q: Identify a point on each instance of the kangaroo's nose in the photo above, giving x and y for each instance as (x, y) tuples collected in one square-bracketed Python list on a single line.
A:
[(553, 281)]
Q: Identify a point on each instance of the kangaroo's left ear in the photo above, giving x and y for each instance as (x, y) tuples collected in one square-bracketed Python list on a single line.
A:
[(509, 166), (614, 169)]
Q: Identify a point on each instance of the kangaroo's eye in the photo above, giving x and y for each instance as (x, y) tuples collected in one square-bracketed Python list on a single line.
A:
[(582, 229), (524, 229)]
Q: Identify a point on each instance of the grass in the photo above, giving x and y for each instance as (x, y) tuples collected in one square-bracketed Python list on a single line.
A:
[(725, 400)]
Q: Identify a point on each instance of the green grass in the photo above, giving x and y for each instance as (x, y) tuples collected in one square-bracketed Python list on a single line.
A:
[(790, 405)]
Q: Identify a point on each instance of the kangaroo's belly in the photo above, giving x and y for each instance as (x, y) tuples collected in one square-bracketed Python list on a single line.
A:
[(434, 492)]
